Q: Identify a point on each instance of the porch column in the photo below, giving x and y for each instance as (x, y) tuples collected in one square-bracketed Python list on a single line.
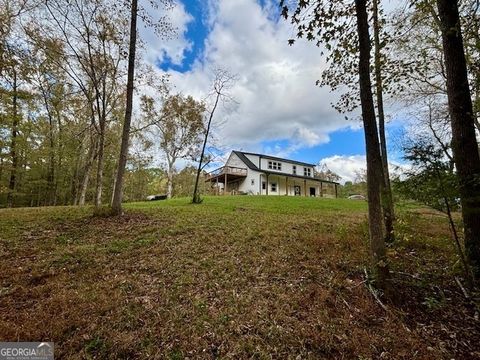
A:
[(336, 191), (286, 185), (217, 190), (305, 187), (225, 187), (266, 185), (321, 189)]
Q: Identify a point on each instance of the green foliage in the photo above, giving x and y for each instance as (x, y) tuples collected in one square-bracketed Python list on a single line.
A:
[(179, 121), (142, 181), (351, 188), (61, 141), (432, 181), (61, 101), (179, 124), (184, 182), (419, 43), (329, 25)]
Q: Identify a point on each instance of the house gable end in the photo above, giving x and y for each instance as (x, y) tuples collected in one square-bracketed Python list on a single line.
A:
[(235, 161), (245, 160)]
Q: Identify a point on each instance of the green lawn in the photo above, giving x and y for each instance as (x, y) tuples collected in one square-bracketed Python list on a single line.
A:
[(234, 277)]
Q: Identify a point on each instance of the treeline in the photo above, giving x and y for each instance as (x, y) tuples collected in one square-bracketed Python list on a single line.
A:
[(145, 181), (63, 98), (62, 86)]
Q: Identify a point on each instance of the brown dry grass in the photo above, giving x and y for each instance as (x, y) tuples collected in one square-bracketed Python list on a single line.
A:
[(235, 277)]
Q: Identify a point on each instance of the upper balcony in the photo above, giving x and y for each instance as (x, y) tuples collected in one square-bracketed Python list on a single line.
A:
[(226, 173)]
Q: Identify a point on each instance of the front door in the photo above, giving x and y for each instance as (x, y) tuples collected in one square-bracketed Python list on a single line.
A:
[(297, 189), (312, 191)]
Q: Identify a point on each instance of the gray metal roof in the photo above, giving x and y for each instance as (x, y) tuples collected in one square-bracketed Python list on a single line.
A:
[(277, 158), (246, 160), (252, 166)]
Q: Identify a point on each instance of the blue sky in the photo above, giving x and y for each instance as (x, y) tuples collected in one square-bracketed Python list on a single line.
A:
[(278, 108), (346, 142), (196, 33)]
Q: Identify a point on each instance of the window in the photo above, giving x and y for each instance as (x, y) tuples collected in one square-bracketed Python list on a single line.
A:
[(264, 185), (307, 172), (252, 182), (294, 169), (273, 187), (275, 165)]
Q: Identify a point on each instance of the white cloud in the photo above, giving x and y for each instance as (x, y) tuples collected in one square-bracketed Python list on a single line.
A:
[(347, 167), (157, 49), (276, 93)]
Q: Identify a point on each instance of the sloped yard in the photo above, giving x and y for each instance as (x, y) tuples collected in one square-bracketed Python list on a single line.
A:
[(234, 277)]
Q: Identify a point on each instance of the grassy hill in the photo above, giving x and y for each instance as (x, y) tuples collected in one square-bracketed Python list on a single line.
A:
[(234, 277)]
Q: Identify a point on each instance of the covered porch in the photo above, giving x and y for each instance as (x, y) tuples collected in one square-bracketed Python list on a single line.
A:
[(273, 184), (228, 176)]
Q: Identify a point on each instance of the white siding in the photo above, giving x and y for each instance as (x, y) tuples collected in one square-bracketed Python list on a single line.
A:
[(235, 161), (253, 158), (247, 186), (287, 167)]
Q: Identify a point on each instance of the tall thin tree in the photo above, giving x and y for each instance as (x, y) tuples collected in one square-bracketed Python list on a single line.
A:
[(374, 160), (13, 143), (464, 142), (122, 162), (222, 82), (163, 28), (330, 24), (387, 198)]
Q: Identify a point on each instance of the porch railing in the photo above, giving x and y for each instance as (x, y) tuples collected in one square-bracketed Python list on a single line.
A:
[(227, 170)]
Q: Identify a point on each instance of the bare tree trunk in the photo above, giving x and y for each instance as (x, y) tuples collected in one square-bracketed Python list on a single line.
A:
[(101, 149), (13, 145), (1, 164), (51, 164), (86, 173), (122, 161), (374, 160), (51, 184), (477, 124), (196, 196), (75, 183), (84, 187), (387, 198), (464, 142), (223, 80), (170, 179), (61, 176)]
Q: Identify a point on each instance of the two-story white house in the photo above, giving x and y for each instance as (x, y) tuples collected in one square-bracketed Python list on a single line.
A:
[(258, 174)]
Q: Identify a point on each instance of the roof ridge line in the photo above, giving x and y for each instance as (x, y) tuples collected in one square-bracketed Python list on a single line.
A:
[(274, 157)]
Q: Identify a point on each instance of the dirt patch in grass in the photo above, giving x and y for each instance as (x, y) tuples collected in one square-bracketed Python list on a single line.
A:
[(229, 279)]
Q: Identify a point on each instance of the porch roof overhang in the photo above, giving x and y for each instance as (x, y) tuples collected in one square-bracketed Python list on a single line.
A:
[(298, 177)]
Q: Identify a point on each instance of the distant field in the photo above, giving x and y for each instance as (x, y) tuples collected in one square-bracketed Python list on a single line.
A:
[(235, 277)]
